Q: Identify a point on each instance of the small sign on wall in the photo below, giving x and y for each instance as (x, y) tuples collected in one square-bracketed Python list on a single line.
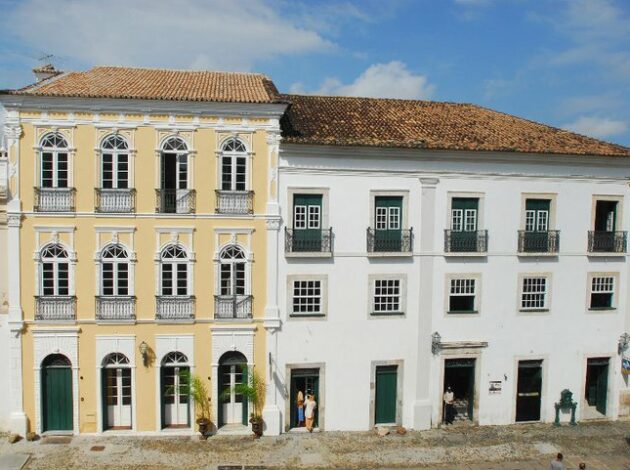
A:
[(495, 386), (625, 365)]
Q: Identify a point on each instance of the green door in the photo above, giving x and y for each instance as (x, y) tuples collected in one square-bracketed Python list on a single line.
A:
[(464, 211), (57, 394), (386, 383), (388, 223), (307, 222), (597, 383), (537, 225)]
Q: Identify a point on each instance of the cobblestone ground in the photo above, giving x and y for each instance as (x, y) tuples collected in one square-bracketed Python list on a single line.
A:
[(603, 446)]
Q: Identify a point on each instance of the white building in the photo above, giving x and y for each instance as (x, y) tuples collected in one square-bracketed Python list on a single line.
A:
[(4, 327), (404, 219)]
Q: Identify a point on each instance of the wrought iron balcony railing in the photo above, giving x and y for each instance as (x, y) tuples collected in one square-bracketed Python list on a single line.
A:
[(234, 202), (466, 242), (119, 201), (175, 307), (115, 307), (54, 199), (538, 242), (55, 308), (233, 307), (175, 201), (607, 242), (308, 241), (389, 241)]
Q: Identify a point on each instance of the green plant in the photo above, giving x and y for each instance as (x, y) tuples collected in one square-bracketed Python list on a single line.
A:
[(195, 387), (253, 391)]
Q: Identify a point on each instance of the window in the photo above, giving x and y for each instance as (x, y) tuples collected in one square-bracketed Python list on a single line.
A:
[(115, 163), (537, 215), (114, 271), (387, 296), (534, 293), (174, 174), (307, 297), (234, 166), (387, 233), (464, 214), (174, 271), (54, 162), (388, 211), (602, 292), (55, 277), (232, 271), (462, 296)]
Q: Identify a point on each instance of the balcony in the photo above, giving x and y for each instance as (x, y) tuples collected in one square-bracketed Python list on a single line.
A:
[(390, 241), (4, 176), (466, 242), (175, 307), (55, 308), (115, 201), (539, 242), (116, 308), (175, 201), (607, 242), (233, 307), (234, 202), (308, 241), (54, 200)]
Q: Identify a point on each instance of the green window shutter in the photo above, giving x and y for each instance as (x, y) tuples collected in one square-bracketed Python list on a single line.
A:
[(307, 222), (388, 223), (602, 389), (464, 214), (537, 215)]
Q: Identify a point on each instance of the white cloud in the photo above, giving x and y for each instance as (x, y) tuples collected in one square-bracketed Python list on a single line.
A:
[(391, 80), (218, 34), (597, 127)]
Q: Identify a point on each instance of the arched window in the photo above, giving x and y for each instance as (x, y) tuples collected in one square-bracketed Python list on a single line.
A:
[(232, 271), (115, 360), (115, 163), (174, 271), (175, 359), (174, 172), (114, 271), (55, 273), (233, 166), (54, 161)]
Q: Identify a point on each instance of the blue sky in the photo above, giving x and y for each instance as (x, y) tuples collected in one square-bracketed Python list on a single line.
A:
[(562, 62)]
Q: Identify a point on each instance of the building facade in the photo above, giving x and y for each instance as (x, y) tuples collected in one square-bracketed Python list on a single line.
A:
[(140, 212), (4, 271)]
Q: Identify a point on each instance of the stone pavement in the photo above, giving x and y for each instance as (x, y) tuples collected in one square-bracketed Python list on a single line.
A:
[(603, 446)]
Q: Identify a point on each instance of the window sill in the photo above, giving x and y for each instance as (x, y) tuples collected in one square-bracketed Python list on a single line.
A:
[(115, 322), (387, 314), (534, 255), (306, 316), (606, 254), (462, 312), (533, 311), (389, 254), (467, 254), (602, 309), (308, 254)]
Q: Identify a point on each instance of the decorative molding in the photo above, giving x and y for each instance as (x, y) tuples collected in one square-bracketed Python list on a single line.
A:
[(14, 220), (13, 133), (273, 223)]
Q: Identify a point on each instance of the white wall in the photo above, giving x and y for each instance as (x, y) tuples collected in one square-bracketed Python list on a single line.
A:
[(348, 340)]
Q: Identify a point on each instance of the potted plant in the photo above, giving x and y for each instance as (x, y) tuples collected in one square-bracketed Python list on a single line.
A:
[(252, 391), (197, 390)]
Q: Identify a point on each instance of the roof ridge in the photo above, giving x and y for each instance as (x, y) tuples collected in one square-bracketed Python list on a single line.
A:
[(165, 69), (43, 82), (403, 100)]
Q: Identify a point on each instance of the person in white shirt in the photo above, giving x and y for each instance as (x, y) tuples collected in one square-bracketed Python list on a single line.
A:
[(309, 411), (449, 408)]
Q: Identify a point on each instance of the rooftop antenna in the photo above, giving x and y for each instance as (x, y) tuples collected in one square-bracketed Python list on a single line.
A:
[(46, 68)]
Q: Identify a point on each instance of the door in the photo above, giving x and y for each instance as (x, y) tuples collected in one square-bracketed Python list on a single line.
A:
[(176, 402), (117, 388), (307, 382), (388, 223), (597, 384), (464, 212), (605, 226), (459, 375), (537, 225), (386, 395), (174, 179), (307, 222), (233, 405), (56, 394), (529, 389)]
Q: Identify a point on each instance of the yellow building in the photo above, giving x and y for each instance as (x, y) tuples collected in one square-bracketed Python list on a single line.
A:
[(142, 230)]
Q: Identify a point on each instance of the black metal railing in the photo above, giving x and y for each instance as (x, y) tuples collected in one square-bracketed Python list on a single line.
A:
[(389, 241), (175, 201), (607, 242), (54, 200), (233, 307), (465, 242), (308, 241), (175, 307), (234, 202), (115, 307), (538, 242), (55, 308), (120, 201)]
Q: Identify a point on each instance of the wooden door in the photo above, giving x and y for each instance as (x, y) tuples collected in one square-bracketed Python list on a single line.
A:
[(386, 395), (57, 394)]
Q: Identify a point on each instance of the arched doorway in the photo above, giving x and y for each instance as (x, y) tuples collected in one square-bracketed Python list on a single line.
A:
[(175, 376), (116, 383), (56, 393), (232, 407)]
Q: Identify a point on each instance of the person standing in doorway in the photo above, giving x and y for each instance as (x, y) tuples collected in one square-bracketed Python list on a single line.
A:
[(300, 409), (557, 464), (449, 407), (309, 411)]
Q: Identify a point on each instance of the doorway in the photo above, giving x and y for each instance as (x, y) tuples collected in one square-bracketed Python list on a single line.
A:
[(596, 388), (175, 376), (232, 405), (386, 395), (116, 382), (174, 183), (459, 374), (306, 382), (56, 393), (529, 391)]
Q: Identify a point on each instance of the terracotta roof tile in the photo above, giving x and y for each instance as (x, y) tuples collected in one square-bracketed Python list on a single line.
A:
[(158, 84), (344, 121)]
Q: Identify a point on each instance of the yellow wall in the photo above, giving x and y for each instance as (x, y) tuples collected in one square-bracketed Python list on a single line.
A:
[(86, 178)]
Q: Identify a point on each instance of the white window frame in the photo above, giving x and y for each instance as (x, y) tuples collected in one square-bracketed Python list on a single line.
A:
[(550, 221), (175, 262), (615, 288), (116, 153), (374, 279), (55, 151), (476, 278), (323, 215), (116, 261), (185, 153), (398, 220), (546, 293), (55, 261), (232, 262), (234, 155)]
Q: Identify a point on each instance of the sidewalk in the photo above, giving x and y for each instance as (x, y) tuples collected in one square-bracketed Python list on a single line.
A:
[(603, 446)]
